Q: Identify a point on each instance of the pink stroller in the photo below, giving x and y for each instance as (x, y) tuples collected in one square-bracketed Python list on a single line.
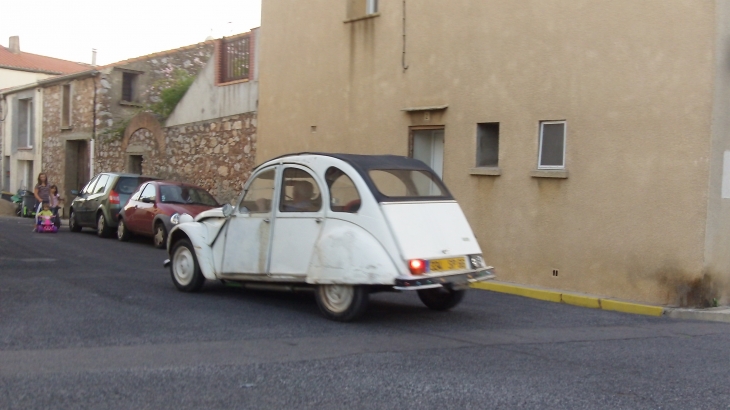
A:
[(45, 224)]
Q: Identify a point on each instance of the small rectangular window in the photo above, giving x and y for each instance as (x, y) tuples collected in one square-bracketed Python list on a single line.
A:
[(25, 123), (129, 83), (552, 145), (358, 9), (372, 6), (488, 144), (66, 106)]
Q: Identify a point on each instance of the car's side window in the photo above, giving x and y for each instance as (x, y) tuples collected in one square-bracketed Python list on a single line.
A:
[(101, 184), (148, 192), (299, 192), (138, 192), (89, 186), (259, 194), (343, 193)]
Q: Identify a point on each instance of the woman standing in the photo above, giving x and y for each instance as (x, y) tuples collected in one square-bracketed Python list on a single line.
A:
[(42, 190)]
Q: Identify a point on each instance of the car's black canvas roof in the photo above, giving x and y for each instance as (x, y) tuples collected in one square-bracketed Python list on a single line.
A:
[(365, 163)]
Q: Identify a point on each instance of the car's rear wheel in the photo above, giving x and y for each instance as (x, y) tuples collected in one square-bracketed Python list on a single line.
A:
[(102, 228), (160, 237), (342, 303), (123, 234), (441, 298), (73, 224), (184, 268)]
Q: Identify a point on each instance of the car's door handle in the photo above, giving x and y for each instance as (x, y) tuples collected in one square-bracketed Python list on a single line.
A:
[(318, 220), (267, 220)]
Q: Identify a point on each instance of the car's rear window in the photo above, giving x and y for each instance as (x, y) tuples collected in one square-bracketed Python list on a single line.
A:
[(407, 183), (181, 194), (127, 185)]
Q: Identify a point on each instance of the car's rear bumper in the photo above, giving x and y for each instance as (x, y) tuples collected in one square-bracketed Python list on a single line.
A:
[(452, 281)]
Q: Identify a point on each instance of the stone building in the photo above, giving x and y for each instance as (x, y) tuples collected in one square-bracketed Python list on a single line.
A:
[(587, 142), (22, 75), (104, 119)]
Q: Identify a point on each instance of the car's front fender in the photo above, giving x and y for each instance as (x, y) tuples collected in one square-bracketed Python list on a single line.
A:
[(197, 234)]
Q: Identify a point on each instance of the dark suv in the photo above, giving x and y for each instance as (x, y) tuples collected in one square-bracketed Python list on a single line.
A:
[(97, 205)]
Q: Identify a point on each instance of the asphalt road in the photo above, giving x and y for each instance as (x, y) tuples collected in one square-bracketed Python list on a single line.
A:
[(94, 323)]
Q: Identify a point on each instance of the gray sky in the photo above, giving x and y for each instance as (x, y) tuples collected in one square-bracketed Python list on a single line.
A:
[(120, 29)]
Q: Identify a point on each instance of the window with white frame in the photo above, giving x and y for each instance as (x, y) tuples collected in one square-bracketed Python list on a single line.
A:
[(552, 145), (358, 9), (66, 106), (25, 123), (371, 7)]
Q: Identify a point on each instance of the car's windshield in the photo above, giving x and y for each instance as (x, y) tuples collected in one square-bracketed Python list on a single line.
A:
[(407, 183), (181, 194)]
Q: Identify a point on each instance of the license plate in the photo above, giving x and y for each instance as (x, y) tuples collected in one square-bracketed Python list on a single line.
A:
[(445, 265)]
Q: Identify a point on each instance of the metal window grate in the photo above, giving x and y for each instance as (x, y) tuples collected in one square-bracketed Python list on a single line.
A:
[(235, 59)]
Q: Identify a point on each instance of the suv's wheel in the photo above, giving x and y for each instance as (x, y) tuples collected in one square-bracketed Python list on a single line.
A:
[(441, 298), (73, 224), (160, 238), (123, 234), (342, 303), (102, 228), (184, 268)]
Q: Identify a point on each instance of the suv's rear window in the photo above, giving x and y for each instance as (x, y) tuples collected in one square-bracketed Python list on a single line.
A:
[(127, 185), (407, 183)]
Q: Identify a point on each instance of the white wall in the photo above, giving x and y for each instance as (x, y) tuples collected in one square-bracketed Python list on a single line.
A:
[(205, 100), (14, 78)]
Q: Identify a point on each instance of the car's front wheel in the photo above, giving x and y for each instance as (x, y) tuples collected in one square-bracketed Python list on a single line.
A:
[(441, 298), (184, 267), (160, 237), (73, 224), (342, 303), (123, 234), (102, 228)]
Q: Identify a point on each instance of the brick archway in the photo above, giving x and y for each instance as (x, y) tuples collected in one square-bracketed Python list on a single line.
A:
[(149, 122)]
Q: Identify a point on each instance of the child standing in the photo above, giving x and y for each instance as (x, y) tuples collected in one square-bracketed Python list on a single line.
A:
[(54, 200)]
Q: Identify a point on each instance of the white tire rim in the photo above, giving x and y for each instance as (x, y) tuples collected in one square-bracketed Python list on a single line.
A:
[(337, 298), (183, 266), (100, 224)]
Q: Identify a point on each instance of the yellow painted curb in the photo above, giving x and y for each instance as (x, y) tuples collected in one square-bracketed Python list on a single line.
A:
[(579, 300), (571, 299), (635, 308), (540, 294)]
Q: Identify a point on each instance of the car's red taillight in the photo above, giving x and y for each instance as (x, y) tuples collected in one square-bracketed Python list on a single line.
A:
[(417, 266), (114, 197)]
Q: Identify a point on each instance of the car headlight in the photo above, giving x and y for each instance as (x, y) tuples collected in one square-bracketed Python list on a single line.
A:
[(477, 262), (175, 219)]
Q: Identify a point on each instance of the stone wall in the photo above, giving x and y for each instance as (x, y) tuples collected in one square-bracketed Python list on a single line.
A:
[(55, 138), (153, 72), (217, 154)]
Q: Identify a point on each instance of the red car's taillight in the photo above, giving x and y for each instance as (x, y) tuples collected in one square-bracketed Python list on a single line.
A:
[(114, 197), (417, 266)]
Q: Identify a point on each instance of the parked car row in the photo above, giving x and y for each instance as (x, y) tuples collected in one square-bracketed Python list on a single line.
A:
[(131, 204)]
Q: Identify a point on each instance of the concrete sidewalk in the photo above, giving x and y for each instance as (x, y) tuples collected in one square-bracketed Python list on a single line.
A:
[(719, 314)]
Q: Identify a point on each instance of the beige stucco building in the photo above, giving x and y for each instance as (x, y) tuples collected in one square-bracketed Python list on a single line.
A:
[(585, 139)]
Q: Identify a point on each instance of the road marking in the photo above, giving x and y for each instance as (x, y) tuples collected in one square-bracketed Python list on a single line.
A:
[(30, 260)]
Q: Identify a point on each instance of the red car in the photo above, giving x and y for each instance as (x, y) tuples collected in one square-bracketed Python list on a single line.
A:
[(149, 208)]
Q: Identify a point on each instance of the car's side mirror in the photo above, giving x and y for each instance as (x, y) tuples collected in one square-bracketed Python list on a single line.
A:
[(227, 210), (74, 192), (146, 200)]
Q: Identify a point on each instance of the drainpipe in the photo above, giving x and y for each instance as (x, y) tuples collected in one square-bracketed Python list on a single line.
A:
[(403, 60), (93, 132)]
